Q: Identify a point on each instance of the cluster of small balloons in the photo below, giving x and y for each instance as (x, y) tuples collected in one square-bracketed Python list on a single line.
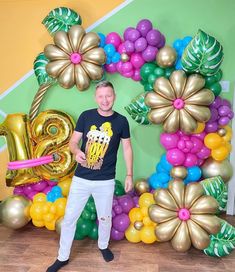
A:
[(221, 114), (31, 189), (180, 45), (213, 82), (186, 150)]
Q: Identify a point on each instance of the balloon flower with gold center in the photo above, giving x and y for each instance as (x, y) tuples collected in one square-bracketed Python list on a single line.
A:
[(184, 215), (179, 102), (75, 58)]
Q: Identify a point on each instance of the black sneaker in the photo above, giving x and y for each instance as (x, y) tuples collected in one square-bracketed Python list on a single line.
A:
[(107, 254), (56, 266)]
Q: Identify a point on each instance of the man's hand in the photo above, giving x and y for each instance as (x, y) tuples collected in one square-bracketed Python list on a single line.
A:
[(80, 157), (128, 183)]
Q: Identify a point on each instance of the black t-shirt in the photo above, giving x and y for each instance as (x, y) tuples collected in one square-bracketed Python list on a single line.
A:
[(100, 142)]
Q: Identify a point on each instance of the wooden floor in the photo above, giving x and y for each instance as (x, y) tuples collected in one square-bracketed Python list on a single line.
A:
[(33, 249)]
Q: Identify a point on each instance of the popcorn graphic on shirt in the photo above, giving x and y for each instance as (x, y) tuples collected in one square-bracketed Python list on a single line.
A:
[(97, 145)]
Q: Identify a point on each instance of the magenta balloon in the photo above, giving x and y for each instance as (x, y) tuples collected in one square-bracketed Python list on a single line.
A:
[(136, 76), (40, 186), (169, 140), (133, 35), (52, 182), (114, 39), (117, 235), (190, 160), (175, 157), (126, 32), (113, 213), (118, 209), (153, 37), (149, 54), (189, 144), (128, 74), (32, 194), (200, 136), (121, 48), (223, 110), (223, 121), (126, 202), (121, 222), (18, 190), (144, 26), (27, 189), (137, 60), (211, 127), (197, 144), (126, 67), (119, 66), (47, 189), (140, 44), (110, 68), (129, 46), (204, 153)]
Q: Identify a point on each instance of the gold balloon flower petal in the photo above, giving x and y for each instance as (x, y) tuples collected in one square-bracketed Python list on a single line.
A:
[(156, 101), (178, 81), (95, 56), (90, 40), (157, 116), (187, 122), (193, 191), (158, 214), (181, 240), (76, 34), (177, 191), (165, 200), (194, 84), (54, 68), (66, 77), (162, 86), (95, 72), (204, 97), (53, 53), (209, 223), (200, 112), (165, 231), (204, 205), (81, 78), (62, 41), (171, 124)]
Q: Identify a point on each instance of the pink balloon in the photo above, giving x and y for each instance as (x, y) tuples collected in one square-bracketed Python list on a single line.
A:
[(169, 140), (114, 39), (110, 68), (149, 54), (18, 190), (204, 153), (28, 189), (47, 189), (137, 60), (175, 157), (121, 48), (200, 136), (128, 74), (32, 194), (126, 67), (197, 144), (181, 144), (40, 186), (119, 66), (52, 182), (136, 76), (190, 160)]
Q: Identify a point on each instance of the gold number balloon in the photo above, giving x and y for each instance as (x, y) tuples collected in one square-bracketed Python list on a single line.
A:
[(49, 133)]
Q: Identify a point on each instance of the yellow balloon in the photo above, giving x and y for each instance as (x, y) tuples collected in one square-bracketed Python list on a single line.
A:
[(147, 221), (60, 206), (144, 211), (38, 223), (132, 234), (228, 134), (65, 185), (39, 198), (220, 153), (50, 225), (46, 207), (212, 140), (36, 211), (200, 128), (146, 200), (147, 235), (53, 208), (135, 215), (49, 217)]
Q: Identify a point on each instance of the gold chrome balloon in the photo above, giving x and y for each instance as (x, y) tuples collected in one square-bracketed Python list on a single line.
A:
[(212, 168), (124, 57), (179, 172), (184, 215), (141, 186), (180, 102), (166, 56), (75, 59), (138, 225), (222, 132), (14, 211)]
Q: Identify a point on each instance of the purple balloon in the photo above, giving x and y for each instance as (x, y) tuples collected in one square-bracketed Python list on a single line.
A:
[(52, 182), (32, 194), (137, 60), (18, 190), (144, 26), (126, 32), (231, 115), (116, 235), (130, 48), (140, 44), (136, 76), (162, 41), (136, 201), (126, 202), (227, 103), (149, 54), (40, 186), (121, 222), (115, 202), (133, 35), (217, 102), (118, 209), (223, 121), (211, 127), (153, 37), (224, 110), (214, 115), (28, 189), (204, 153), (113, 214)]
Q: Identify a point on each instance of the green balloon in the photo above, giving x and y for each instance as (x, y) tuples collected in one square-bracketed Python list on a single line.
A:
[(90, 206), (159, 72), (93, 216), (216, 88), (219, 75), (93, 234), (168, 71), (148, 87), (151, 79), (78, 236), (86, 214), (119, 190), (84, 226), (146, 70)]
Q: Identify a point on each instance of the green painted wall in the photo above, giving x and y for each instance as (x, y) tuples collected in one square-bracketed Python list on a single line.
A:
[(175, 19)]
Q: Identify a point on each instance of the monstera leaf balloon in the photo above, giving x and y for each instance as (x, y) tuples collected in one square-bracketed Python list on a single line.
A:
[(204, 55)]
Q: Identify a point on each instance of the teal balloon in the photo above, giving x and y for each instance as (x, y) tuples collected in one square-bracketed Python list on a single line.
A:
[(148, 87)]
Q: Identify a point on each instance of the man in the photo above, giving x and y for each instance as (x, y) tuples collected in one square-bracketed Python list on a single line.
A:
[(100, 131)]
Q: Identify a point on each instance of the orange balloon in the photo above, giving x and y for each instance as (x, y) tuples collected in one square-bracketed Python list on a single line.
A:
[(213, 140), (220, 154), (200, 128)]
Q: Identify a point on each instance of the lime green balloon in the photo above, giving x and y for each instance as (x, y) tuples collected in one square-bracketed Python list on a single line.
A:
[(146, 70)]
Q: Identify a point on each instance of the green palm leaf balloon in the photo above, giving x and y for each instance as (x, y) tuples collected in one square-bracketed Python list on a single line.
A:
[(61, 19), (218, 189), (204, 55), (138, 110), (223, 243)]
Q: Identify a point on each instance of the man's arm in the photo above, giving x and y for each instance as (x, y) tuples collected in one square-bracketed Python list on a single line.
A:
[(80, 156), (128, 156)]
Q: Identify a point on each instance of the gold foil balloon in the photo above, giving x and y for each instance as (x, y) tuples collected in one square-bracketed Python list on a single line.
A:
[(75, 59), (16, 129), (141, 186), (14, 212), (212, 168), (184, 215), (58, 223), (166, 56), (180, 102), (179, 172)]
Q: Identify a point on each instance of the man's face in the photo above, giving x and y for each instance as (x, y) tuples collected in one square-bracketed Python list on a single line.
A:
[(104, 97)]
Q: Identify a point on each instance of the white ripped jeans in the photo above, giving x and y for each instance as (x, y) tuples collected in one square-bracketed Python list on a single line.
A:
[(80, 190)]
